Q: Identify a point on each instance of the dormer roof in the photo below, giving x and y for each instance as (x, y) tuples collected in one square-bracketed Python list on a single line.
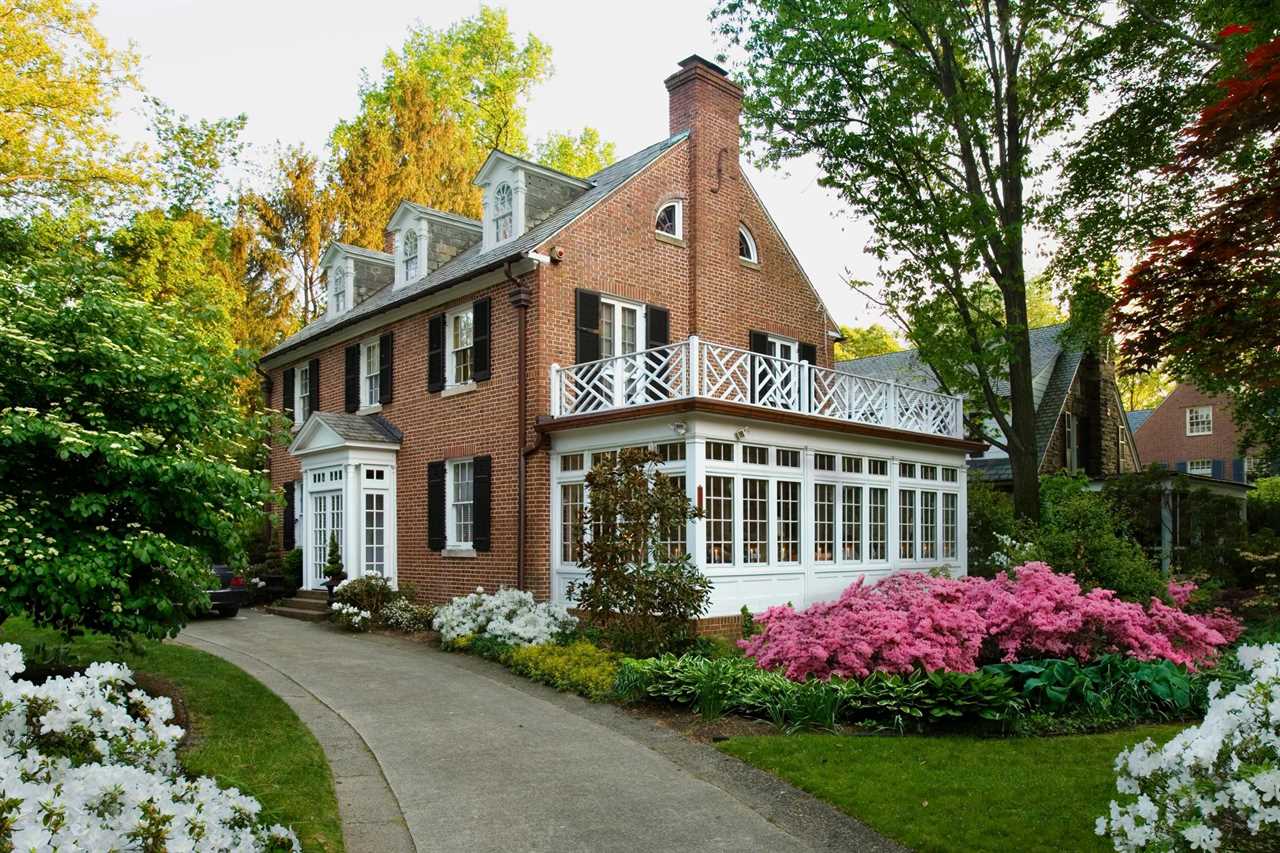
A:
[(408, 209), (497, 158), (335, 248)]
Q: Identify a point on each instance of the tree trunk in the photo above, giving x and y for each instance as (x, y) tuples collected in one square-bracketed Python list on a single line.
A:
[(1024, 456)]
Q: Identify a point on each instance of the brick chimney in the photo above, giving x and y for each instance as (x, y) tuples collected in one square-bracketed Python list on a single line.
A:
[(705, 102)]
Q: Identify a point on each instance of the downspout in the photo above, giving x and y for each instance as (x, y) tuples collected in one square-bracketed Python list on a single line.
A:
[(520, 298)]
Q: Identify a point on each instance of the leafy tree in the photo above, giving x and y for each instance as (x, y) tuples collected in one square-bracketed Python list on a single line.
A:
[(643, 598), (119, 441), (580, 156), (424, 128), (864, 341), (193, 161), (1042, 308), (58, 83), (931, 119), (1205, 301), (1142, 389)]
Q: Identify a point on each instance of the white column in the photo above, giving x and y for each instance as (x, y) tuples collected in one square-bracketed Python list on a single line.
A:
[(962, 519), (392, 524), (352, 517), (696, 468)]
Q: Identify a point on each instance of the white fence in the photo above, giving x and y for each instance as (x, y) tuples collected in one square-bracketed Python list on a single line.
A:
[(697, 368)]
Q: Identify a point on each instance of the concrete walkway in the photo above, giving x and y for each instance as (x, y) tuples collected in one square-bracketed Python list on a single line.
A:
[(436, 751)]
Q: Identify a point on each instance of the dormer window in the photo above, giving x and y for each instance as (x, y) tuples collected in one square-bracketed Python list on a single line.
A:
[(503, 208), (410, 255), (338, 296), (747, 245), (669, 220)]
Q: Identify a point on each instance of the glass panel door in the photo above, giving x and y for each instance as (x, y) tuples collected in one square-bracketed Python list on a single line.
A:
[(778, 378)]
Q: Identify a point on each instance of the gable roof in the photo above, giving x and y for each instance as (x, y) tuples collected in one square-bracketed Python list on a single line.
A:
[(349, 429), (1138, 418), (475, 261), (906, 368), (356, 251)]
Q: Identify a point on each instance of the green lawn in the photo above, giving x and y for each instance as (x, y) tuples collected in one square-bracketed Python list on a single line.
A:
[(958, 793), (244, 735)]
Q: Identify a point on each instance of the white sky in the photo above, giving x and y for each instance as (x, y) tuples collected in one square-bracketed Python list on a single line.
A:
[(293, 68)]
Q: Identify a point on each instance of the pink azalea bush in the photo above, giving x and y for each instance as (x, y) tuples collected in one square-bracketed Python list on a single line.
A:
[(911, 620)]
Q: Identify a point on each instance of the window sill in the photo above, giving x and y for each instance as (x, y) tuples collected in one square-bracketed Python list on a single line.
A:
[(672, 240), (458, 552), (369, 410), (751, 265), (455, 390)]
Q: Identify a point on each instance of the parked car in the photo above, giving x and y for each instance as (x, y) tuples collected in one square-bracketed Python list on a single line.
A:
[(230, 594)]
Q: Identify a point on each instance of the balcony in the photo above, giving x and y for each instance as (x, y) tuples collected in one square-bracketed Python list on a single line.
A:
[(697, 368)]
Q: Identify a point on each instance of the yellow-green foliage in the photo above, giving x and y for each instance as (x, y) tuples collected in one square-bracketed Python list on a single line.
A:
[(579, 667)]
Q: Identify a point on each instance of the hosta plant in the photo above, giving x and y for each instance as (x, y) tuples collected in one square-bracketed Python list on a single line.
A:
[(1215, 786), (88, 762)]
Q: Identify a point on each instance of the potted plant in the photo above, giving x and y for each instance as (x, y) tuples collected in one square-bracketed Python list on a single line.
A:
[(333, 567)]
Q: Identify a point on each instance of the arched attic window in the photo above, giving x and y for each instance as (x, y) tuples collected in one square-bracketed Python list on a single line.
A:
[(410, 255), (747, 245), (339, 289), (670, 220), (502, 213)]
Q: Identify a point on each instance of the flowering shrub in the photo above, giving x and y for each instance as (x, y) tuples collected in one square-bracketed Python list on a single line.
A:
[(351, 617), (1215, 786), (403, 615), (911, 620), (508, 616), (89, 763)]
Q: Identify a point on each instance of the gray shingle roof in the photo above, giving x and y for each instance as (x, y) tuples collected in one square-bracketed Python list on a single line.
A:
[(362, 252), (368, 428), (906, 368), (474, 261), (1138, 418)]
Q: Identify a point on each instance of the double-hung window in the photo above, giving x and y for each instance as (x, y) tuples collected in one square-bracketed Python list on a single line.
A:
[(461, 482), (1071, 441), (1200, 420), (302, 393), (410, 255), (1203, 467), (461, 339), (370, 361)]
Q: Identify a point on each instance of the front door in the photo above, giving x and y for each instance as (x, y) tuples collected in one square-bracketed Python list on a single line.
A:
[(326, 526), (620, 336)]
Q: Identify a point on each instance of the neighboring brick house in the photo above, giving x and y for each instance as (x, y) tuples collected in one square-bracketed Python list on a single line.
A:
[(1192, 432), (459, 386), (1080, 419)]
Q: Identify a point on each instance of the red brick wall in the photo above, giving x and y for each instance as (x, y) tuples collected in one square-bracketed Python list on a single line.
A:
[(1163, 438)]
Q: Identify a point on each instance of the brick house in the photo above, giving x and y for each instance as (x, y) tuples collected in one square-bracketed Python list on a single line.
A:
[(450, 401), (1193, 432), (1080, 419)]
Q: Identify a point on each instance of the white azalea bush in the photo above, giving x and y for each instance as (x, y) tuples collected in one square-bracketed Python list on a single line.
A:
[(351, 617), (1215, 786), (508, 616), (89, 763)]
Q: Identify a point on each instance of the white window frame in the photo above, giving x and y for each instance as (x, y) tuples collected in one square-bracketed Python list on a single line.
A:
[(500, 214), (678, 219), (301, 391), (1200, 467), (452, 350), (754, 252), (410, 274), (338, 275), (453, 540), (615, 307), (1199, 429), (370, 380)]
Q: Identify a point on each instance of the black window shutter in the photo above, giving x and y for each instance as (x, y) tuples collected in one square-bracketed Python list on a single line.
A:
[(435, 353), (481, 502), (657, 326), (1180, 466), (313, 378), (351, 381), (1237, 470), (1218, 469), (288, 392), (480, 311), (809, 353), (435, 506), (385, 360), (756, 342), (290, 516), (587, 320)]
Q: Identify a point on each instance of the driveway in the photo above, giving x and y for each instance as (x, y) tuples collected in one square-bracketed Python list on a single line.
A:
[(438, 751)]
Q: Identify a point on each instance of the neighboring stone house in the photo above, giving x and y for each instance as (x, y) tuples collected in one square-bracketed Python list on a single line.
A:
[(450, 401), (1080, 419), (1193, 432)]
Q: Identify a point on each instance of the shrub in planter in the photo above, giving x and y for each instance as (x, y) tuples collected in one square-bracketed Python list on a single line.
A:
[(1215, 786), (910, 620), (508, 616), (88, 762), (579, 667), (639, 594)]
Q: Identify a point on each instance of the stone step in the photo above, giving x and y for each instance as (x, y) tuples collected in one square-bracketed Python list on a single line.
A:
[(315, 594), (299, 603), (295, 613)]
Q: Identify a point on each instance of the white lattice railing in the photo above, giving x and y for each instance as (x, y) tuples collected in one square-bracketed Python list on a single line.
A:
[(696, 368)]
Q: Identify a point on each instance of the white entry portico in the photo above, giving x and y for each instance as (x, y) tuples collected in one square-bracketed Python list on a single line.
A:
[(346, 491)]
